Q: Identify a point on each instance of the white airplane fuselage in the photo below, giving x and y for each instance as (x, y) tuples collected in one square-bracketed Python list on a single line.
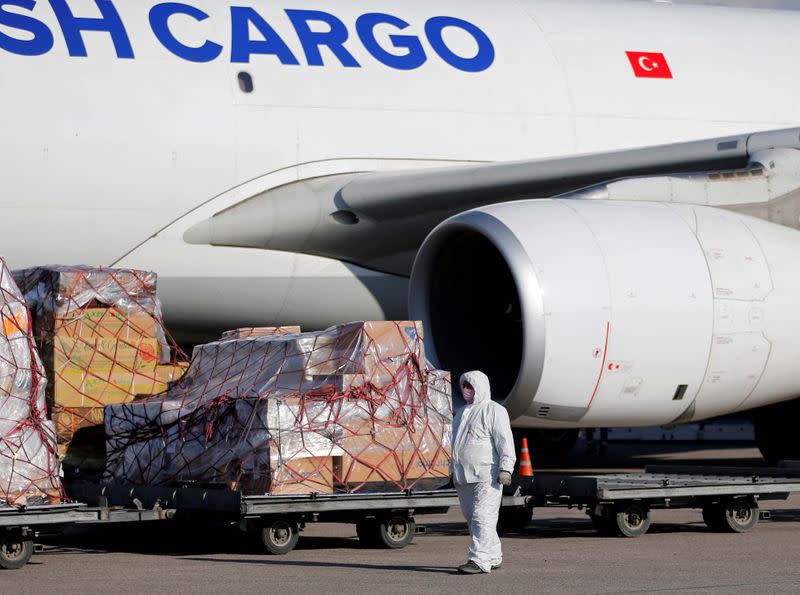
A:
[(118, 140)]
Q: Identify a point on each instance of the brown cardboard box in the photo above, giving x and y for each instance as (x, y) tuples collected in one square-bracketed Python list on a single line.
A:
[(302, 475), (259, 331), (91, 323), (396, 339), (344, 383), (380, 453), (387, 346), (103, 353)]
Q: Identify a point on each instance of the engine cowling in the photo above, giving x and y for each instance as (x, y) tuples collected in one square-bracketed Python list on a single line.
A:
[(604, 313)]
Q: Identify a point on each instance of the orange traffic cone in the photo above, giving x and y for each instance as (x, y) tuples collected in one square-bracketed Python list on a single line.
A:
[(525, 467)]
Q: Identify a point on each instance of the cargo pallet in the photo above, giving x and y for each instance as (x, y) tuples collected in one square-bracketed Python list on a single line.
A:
[(618, 504)]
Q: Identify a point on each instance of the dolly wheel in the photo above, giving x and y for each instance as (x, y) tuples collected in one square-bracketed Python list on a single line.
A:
[(279, 536), (633, 519), (740, 516), (15, 553), (396, 532)]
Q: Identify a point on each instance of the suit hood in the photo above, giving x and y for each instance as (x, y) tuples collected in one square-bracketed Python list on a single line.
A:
[(480, 382)]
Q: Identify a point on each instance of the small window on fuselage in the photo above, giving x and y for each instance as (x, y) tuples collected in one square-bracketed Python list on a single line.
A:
[(245, 82)]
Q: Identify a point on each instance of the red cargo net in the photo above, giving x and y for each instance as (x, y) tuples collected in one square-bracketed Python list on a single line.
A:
[(103, 340), (29, 472), (346, 409)]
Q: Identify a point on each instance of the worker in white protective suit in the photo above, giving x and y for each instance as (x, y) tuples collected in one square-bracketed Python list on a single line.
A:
[(482, 462)]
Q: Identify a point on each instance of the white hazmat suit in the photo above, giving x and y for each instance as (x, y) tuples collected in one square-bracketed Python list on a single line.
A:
[(482, 447)]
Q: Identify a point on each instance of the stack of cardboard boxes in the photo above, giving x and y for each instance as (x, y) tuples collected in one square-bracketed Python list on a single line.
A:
[(351, 408), (102, 356), (102, 341)]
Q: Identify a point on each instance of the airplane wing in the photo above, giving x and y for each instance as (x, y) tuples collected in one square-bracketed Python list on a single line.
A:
[(379, 220)]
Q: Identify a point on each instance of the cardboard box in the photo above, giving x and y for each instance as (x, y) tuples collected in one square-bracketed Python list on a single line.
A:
[(167, 373), (377, 454), (80, 353), (69, 420), (395, 340), (386, 344), (302, 475), (75, 387), (345, 383), (90, 323), (259, 331)]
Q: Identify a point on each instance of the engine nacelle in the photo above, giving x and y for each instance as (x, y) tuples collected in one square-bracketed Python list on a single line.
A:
[(602, 313)]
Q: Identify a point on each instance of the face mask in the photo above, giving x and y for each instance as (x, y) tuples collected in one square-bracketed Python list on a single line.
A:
[(468, 394)]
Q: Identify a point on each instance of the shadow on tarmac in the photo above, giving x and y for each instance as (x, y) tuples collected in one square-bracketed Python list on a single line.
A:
[(279, 562), (566, 527), (172, 538), (163, 537), (784, 516), (635, 456)]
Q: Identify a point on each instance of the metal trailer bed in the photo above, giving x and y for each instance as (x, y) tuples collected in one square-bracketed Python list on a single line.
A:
[(381, 519), (620, 504), (384, 519)]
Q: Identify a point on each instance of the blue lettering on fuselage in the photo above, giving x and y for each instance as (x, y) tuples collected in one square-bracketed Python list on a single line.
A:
[(321, 35), (159, 17), (72, 27), (243, 47), (413, 58)]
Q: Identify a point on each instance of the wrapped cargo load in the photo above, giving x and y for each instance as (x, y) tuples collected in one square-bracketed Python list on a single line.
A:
[(102, 339), (259, 331), (29, 472), (346, 409)]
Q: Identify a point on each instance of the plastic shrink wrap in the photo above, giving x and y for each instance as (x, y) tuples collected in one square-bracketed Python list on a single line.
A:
[(259, 331), (346, 409), (102, 340), (29, 472)]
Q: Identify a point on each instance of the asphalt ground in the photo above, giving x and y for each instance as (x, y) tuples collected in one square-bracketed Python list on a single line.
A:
[(557, 553)]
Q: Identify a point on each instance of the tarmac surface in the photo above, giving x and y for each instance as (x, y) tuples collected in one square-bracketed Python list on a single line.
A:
[(557, 553)]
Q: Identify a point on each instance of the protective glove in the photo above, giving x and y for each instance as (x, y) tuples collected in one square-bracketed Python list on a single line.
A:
[(504, 478)]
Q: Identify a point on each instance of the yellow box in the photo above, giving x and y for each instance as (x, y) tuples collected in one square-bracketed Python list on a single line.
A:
[(69, 420), (110, 323), (167, 373), (104, 353), (74, 387)]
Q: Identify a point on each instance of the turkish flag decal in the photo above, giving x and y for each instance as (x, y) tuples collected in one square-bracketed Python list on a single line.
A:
[(649, 65)]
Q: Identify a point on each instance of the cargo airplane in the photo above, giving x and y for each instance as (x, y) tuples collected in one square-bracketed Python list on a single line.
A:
[(594, 202)]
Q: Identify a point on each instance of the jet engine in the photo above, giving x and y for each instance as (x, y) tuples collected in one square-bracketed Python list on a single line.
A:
[(592, 313)]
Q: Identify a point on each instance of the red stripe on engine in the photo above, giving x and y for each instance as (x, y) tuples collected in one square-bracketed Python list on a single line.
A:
[(602, 366)]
